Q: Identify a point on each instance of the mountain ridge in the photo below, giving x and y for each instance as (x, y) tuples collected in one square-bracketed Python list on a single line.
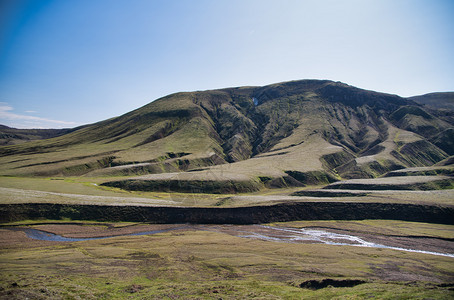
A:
[(291, 133), (13, 136)]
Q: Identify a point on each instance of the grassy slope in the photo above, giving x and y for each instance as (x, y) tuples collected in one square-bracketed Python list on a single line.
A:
[(84, 191), (129, 138)]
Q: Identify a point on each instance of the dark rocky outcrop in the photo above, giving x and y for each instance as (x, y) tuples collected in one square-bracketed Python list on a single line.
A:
[(233, 215), (324, 283)]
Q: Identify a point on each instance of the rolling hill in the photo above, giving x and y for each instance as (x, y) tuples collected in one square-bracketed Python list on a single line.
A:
[(13, 136), (294, 133), (436, 100)]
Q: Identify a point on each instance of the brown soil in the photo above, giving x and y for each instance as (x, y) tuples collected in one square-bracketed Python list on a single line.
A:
[(17, 239)]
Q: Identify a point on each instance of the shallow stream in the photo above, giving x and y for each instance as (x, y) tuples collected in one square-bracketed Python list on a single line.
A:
[(47, 236), (330, 238), (262, 232)]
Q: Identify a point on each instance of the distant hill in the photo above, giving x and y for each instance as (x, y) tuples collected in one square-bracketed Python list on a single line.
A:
[(285, 134), (436, 100), (13, 136)]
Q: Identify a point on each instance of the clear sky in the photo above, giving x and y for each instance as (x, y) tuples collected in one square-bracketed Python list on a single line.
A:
[(65, 63)]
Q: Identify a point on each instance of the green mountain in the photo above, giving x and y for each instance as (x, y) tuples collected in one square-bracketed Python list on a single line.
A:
[(242, 139)]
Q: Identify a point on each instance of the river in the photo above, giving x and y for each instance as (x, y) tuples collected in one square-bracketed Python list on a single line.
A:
[(268, 233)]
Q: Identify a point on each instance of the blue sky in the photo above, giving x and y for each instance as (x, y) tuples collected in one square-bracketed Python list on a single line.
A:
[(65, 63)]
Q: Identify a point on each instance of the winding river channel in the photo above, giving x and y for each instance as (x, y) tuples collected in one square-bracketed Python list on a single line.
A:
[(281, 234)]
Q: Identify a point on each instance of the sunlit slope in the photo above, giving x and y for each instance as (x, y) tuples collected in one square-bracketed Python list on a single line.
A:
[(292, 133), (169, 127)]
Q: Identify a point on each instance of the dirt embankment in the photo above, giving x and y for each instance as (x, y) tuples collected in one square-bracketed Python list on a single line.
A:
[(233, 215)]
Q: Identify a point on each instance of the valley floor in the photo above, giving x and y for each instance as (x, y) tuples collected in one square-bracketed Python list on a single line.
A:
[(206, 262)]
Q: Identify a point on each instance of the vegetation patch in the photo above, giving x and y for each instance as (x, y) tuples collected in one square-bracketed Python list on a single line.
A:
[(327, 193), (312, 178), (336, 159), (419, 153), (186, 186)]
